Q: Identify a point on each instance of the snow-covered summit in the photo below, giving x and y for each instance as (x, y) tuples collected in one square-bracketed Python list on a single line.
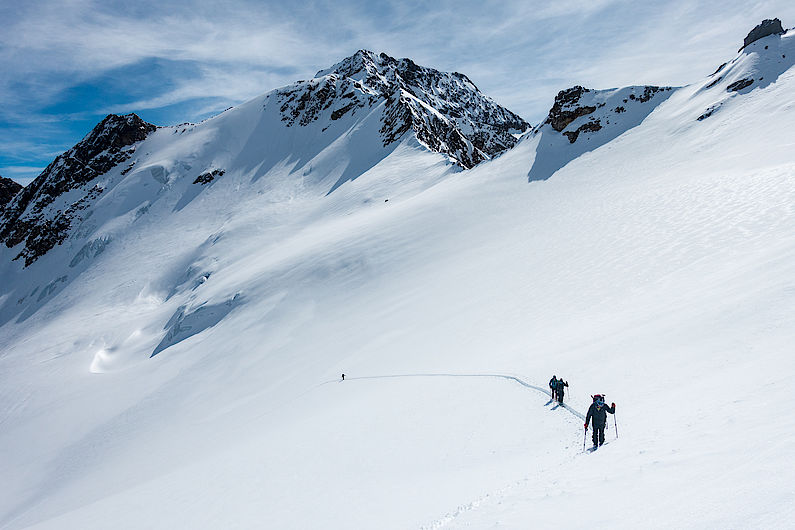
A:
[(446, 110)]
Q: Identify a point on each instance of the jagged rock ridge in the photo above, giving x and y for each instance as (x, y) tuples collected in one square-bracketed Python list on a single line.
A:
[(27, 218), (446, 110)]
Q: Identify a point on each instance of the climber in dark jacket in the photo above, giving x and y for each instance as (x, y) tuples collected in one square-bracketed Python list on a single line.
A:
[(559, 389), (598, 411), (553, 386)]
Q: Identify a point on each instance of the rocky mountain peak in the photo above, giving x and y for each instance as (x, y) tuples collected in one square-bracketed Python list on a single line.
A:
[(386, 74), (359, 66), (26, 218), (446, 110), (115, 132), (767, 27), (8, 188)]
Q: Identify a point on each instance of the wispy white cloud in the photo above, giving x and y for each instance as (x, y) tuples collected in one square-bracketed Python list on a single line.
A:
[(16, 170), (517, 40)]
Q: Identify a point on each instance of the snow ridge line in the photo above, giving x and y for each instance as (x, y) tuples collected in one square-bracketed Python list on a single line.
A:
[(508, 377)]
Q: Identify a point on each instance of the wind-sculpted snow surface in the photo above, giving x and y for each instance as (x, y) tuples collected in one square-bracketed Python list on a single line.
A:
[(185, 324), (656, 268)]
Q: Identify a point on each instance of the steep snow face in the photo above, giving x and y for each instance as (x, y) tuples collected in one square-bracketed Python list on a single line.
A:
[(446, 110), (582, 120)]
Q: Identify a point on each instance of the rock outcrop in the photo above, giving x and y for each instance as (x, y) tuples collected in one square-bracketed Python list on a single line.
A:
[(767, 27), (583, 119), (566, 108), (576, 102)]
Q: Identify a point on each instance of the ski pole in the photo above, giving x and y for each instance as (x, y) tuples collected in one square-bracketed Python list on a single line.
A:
[(584, 435), (615, 422)]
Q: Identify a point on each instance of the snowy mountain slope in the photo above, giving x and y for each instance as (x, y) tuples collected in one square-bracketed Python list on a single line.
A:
[(656, 268), (300, 141), (363, 106), (582, 119)]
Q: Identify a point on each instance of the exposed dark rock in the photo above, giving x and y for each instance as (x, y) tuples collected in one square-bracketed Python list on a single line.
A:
[(25, 217), (42, 236), (650, 91), (591, 126), (714, 82), (739, 85), (708, 113), (576, 102), (718, 69), (339, 113), (206, 178), (128, 168), (767, 27), (8, 188), (564, 110), (568, 107)]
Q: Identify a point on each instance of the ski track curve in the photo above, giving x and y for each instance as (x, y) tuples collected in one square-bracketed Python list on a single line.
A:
[(508, 377)]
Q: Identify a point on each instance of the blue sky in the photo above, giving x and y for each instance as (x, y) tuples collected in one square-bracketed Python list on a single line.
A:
[(66, 64)]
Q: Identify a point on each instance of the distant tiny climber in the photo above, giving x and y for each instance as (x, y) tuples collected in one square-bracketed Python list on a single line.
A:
[(598, 411), (343, 377), (553, 385), (559, 391)]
